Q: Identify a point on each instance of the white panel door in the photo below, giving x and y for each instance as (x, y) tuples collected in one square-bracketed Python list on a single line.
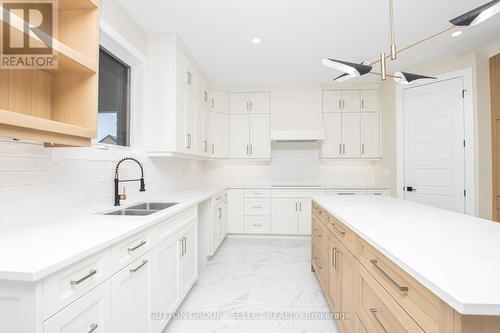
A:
[(220, 101), (284, 216), (370, 134), (166, 280), (434, 151), (332, 145), (206, 140), (239, 135), (220, 134), (304, 218), (180, 67), (239, 103), (260, 141), (188, 265), (351, 135), (370, 100), (90, 312), (259, 102), (131, 297), (351, 101), (332, 101), (190, 122), (235, 221), (180, 118), (198, 128)]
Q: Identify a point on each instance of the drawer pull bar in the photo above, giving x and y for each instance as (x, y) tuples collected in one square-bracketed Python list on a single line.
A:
[(374, 314), (257, 225), (338, 230), (133, 270), (388, 277), (334, 257), (92, 272), (93, 327), (132, 249)]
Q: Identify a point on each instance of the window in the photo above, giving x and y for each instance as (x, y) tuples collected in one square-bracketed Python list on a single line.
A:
[(113, 125)]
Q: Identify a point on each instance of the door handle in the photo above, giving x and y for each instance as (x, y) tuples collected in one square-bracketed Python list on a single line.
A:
[(343, 148), (340, 149), (91, 273), (410, 189), (93, 327), (363, 148), (213, 148), (133, 270), (374, 314)]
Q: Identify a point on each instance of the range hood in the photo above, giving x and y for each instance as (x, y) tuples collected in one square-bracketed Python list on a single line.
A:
[(297, 135)]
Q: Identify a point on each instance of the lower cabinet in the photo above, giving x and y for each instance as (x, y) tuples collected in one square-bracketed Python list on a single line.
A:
[(131, 291), (188, 260), (90, 313), (290, 216)]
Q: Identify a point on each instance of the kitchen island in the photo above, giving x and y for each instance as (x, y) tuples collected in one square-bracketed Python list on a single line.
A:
[(397, 266)]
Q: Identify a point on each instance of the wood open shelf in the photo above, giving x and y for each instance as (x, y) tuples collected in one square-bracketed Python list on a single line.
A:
[(57, 106)]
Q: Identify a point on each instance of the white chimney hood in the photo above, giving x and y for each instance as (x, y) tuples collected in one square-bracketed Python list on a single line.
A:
[(298, 135)]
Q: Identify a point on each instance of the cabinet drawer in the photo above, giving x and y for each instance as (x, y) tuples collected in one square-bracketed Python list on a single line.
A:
[(344, 234), (346, 192), (90, 313), (421, 304), (257, 193), (320, 212), (257, 224), (379, 193), (70, 283), (306, 194), (258, 207), (319, 233), (318, 262), (165, 229), (131, 248), (378, 311)]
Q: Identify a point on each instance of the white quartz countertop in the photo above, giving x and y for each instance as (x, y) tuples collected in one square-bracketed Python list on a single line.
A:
[(309, 187), (455, 256), (32, 252)]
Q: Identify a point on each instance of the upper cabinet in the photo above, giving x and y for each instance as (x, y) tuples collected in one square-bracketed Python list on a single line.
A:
[(352, 124), (55, 104), (257, 102)]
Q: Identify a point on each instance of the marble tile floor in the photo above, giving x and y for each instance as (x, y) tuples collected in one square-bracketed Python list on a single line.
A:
[(256, 285)]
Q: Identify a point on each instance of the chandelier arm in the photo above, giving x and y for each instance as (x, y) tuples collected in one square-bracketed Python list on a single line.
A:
[(416, 43), (388, 75)]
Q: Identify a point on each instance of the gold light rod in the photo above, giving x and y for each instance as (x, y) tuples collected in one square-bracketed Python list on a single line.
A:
[(393, 39), (416, 43)]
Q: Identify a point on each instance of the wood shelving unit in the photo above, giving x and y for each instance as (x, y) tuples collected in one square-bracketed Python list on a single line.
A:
[(57, 106)]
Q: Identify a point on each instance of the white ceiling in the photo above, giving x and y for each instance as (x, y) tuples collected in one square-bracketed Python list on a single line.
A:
[(297, 34)]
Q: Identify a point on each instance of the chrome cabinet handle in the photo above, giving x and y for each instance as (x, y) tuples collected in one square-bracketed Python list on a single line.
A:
[(133, 270), (362, 103), (374, 314), (205, 146), (251, 149), (388, 277), (300, 206), (257, 207), (346, 193), (182, 247), (248, 149), (343, 104), (213, 103), (296, 206), (343, 148), (132, 249), (342, 233), (334, 257), (220, 213), (91, 273), (213, 148), (362, 148), (93, 327), (257, 225), (340, 149), (251, 105)]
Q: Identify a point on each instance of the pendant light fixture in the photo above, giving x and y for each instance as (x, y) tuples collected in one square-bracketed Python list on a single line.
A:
[(353, 70)]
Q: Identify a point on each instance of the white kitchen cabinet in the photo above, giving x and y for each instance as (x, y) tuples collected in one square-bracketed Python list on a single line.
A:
[(219, 226), (260, 141), (132, 297), (244, 103), (188, 262), (219, 101), (304, 216), (90, 313), (198, 144), (166, 280), (332, 145), (351, 101), (206, 139), (370, 134), (257, 224), (332, 101), (239, 130), (219, 135), (235, 202), (284, 217), (351, 136), (370, 100)]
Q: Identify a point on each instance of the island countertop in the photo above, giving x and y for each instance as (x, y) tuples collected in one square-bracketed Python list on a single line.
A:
[(455, 256)]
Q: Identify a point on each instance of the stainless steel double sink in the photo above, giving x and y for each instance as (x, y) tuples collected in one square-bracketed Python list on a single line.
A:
[(142, 209)]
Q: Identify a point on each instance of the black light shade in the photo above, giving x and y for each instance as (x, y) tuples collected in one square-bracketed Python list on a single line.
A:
[(350, 68), (407, 78), (478, 15)]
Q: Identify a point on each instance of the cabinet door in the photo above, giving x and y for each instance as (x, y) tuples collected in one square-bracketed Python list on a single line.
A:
[(239, 103), (215, 234), (188, 266), (90, 312), (351, 136), (305, 208), (260, 141), (180, 66), (370, 100), (332, 145), (220, 101), (333, 273), (166, 280), (131, 297), (239, 136), (206, 140), (198, 139), (370, 134), (332, 101), (284, 215), (220, 134), (259, 102), (190, 122), (351, 101), (348, 276), (180, 118), (235, 201)]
